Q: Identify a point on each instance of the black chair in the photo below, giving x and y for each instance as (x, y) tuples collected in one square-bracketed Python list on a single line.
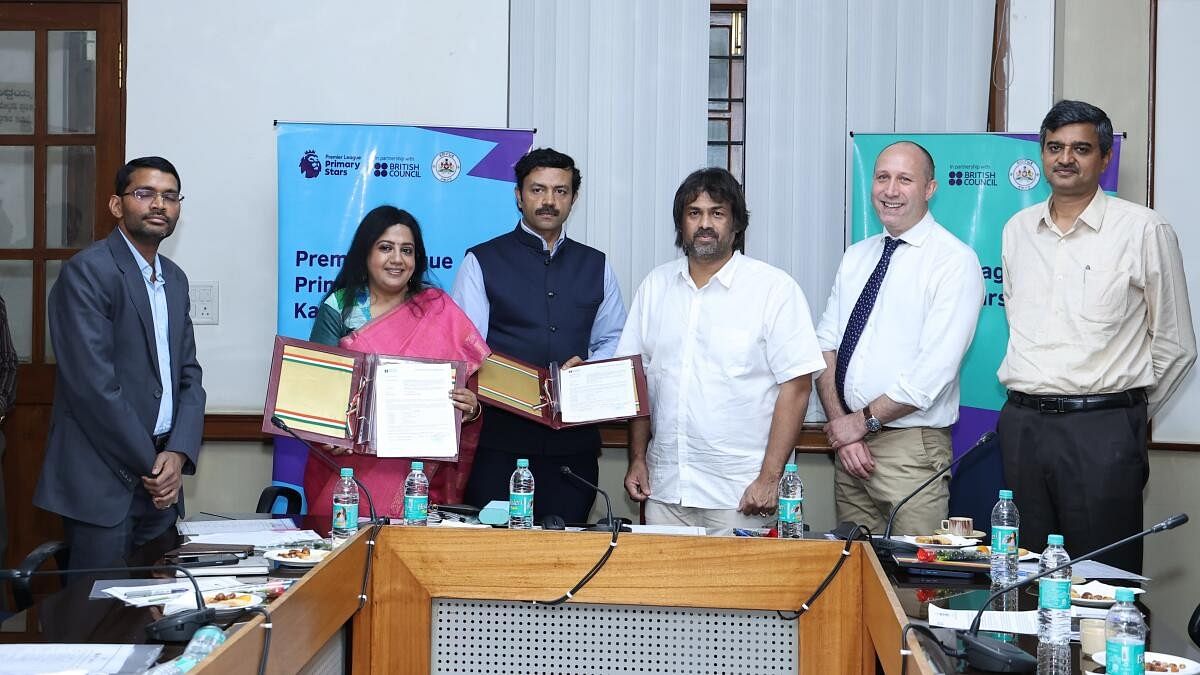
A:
[(266, 500), (22, 587), (1193, 628)]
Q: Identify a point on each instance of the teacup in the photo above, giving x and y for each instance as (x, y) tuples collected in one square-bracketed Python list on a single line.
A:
[(959, 525)]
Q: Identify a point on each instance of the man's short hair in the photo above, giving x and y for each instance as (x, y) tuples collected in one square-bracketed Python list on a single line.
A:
[(548, 158), (156, 163), (722, 187), (1078, 112)]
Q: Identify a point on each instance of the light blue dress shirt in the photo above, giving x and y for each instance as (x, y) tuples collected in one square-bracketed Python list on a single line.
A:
[(156, 289), (470, 295)]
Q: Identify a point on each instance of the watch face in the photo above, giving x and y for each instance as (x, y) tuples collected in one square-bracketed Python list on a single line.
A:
[(873, 425)]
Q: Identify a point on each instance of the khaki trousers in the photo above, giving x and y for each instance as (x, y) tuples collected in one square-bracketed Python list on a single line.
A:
[(904, 458)]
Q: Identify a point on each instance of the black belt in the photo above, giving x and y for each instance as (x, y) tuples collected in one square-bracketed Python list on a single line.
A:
[(160, 441), (1064, 404)]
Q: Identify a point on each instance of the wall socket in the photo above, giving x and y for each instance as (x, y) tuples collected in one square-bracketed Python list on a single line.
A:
[(204, 297)]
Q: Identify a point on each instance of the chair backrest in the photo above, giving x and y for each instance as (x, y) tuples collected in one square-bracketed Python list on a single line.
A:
[(271, 493), (1193, 627), (22, 587)]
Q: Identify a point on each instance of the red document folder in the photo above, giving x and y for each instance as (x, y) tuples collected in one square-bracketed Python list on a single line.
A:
[(531, 391)]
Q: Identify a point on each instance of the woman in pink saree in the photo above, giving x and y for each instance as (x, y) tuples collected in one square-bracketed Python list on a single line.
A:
[(381, 302)]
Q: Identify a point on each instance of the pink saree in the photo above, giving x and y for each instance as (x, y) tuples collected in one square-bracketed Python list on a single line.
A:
[(428, 326)]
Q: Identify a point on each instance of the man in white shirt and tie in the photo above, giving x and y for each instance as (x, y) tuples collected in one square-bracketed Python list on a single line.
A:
[(728, 346), (899, 320)]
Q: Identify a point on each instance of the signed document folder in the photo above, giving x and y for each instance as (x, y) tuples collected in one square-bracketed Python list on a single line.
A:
[(590, 393), (390, 406)]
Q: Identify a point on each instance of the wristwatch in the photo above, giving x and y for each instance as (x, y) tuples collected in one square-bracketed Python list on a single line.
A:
[(873, 423)]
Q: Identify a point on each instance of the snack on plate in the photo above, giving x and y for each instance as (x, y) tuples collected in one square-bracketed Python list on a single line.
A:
[(938, 539), (229, 600), (1088, 595), (297, 553), (1158, 666), (951, 555)]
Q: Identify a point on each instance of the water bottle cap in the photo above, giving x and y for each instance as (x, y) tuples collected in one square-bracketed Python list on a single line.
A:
[(522, 464), (1006, 494), (1054, 540), (1124, 595), (789, 467), (418, 466), (347, 472)]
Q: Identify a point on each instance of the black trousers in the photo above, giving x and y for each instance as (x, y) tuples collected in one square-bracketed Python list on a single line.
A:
[(1078, 474), (100, 546), (554, 493)]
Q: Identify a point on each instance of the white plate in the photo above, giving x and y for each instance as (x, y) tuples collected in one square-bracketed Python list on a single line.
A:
[(1026, 554), (315, 555), (1098, 587), (231, 609), (1190, 667), (959, 542)]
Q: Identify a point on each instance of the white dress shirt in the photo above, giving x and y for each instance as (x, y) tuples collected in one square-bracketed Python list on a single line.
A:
[(714, 359), (920, 327)]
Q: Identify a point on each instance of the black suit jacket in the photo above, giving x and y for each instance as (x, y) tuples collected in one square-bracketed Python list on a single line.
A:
[(107, 388)]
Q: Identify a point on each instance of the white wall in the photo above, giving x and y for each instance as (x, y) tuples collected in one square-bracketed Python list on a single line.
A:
[(207, 80)]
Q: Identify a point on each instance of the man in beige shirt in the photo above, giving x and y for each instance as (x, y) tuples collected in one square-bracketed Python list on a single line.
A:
[(1100, 336)]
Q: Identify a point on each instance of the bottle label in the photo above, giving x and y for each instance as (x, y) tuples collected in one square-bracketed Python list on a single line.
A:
[(520, 505), (416, 508), (1054, 593), (1125, 658), (789, 509), (1004, 539), (345, 516)]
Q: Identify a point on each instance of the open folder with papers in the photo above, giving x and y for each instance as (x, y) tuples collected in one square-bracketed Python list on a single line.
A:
[(390, 406), (593, 392)]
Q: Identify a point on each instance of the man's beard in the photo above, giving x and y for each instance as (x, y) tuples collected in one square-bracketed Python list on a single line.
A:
[(713, 250)]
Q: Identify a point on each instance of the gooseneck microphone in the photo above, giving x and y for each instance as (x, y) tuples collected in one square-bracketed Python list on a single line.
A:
[(1001, 657), (177, 627), (609, 522), (314, 452), (886, 544)]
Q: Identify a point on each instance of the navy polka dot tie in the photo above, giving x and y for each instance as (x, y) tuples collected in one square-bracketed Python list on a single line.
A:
[(860, 314)]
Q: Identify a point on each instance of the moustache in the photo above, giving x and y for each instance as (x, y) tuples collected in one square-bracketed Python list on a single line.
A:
[(1064, 167), (705, 231), (547, 211)]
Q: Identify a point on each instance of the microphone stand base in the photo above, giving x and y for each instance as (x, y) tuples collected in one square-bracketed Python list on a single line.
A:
[(996, 656)]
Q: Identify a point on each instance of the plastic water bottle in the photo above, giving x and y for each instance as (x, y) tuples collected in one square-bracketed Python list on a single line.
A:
[(1054, 610), (345, 508), (416, 496), (520, 497), (1125, 637), (1005, 540), (203, 642), (791, 504)]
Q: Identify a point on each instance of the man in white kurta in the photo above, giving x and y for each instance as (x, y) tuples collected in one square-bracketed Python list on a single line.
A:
[(728, 346)]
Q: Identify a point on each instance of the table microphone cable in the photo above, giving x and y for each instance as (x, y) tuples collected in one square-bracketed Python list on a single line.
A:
[(807, 605), (262, 663), (608, 550)]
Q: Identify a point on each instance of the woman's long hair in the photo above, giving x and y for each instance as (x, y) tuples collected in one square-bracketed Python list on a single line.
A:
[(353, 278)]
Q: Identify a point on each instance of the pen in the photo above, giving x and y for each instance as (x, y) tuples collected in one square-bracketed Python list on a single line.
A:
[(152, 592)]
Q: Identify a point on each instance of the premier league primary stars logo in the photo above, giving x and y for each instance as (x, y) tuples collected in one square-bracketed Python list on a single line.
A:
[(310, 164)]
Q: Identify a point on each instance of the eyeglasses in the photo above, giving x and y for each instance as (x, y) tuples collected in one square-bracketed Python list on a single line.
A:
[(146, 195)]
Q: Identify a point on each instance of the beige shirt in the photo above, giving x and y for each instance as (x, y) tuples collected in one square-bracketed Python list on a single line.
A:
[(1102, 307)]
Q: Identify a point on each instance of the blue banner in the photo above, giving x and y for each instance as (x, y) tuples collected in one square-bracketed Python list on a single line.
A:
[(457, 182)]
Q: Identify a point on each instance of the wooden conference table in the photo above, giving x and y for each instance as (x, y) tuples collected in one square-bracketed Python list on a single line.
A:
[(853, 626)]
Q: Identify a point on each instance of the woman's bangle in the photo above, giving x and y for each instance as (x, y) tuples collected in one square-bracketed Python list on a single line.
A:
[(475, 413)]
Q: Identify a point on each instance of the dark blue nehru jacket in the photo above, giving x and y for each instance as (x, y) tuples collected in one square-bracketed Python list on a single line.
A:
[(541, 309)]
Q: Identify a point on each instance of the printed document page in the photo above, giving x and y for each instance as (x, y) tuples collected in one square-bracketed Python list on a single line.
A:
[(413, 414), (597, 391)]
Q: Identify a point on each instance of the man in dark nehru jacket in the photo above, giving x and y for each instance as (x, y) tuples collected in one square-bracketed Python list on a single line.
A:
[(540, 297)]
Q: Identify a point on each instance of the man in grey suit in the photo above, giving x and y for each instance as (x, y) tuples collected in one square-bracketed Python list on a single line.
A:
[(128, 401)]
